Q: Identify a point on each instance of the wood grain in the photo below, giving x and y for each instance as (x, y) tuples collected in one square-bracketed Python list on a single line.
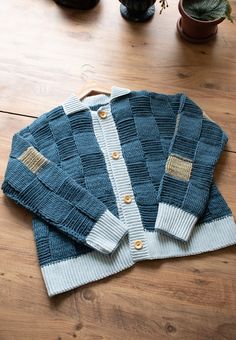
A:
[(47, 53)]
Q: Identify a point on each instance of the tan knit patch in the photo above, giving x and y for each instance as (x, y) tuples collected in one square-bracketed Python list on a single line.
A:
[(179, 167), (33, 159)]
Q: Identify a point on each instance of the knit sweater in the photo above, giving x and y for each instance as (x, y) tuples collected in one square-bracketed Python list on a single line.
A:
[(113, 180)]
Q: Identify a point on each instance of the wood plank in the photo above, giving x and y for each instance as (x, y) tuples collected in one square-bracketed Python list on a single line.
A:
[(9, 125), (188, 298), (51, 52)]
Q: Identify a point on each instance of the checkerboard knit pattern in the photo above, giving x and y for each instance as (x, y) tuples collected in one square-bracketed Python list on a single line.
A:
[(60, 169)]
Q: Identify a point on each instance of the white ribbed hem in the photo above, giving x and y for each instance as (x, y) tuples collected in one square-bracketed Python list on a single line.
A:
[(106, 233), (205, 237), (68, 274), (174, 222)]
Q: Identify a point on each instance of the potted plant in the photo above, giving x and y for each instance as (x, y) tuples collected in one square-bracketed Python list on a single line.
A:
[(139, 10), (200, 18), (79, 4)]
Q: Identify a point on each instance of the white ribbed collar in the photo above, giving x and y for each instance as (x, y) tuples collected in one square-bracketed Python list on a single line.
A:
[(74, 104)]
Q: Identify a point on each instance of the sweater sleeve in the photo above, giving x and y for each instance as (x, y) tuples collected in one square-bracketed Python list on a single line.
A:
[(184, 190), (41, 186)]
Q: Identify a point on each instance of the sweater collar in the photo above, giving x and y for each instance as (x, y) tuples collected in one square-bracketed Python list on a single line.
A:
[(75, 104)]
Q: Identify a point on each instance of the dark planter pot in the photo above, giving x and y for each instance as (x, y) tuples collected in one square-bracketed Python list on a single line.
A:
[(196, 31), (79, 4), (137, 10)]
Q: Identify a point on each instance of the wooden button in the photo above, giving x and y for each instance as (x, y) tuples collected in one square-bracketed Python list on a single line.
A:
[(127, 199), (138, 244), (115, 155), (102, 114)]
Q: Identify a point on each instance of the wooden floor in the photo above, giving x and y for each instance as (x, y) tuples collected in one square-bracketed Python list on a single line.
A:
[(45, 54)]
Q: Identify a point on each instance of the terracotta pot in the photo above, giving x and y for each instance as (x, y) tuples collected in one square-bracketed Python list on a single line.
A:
[(79, 4), (137, 10), (196, 31)]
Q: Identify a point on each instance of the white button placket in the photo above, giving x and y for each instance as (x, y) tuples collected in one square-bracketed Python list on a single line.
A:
[(108, 139)]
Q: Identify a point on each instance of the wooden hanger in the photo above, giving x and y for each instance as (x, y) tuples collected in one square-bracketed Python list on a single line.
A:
[(92, 88)]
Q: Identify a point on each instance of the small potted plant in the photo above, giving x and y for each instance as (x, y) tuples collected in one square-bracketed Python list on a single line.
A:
[(139, 10), (200, 18), (79, 4)]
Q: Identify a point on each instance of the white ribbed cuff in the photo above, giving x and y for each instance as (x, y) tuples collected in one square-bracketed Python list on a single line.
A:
[(174, 222), (106, 233)]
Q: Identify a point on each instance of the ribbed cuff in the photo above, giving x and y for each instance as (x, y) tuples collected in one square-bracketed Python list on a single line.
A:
[(174, 222), (106, 233)]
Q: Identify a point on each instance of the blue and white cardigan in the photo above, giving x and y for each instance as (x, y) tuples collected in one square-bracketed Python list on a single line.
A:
[(112, 180)]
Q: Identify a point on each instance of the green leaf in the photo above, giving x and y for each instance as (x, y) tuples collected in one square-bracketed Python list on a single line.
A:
[(208, 9)]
